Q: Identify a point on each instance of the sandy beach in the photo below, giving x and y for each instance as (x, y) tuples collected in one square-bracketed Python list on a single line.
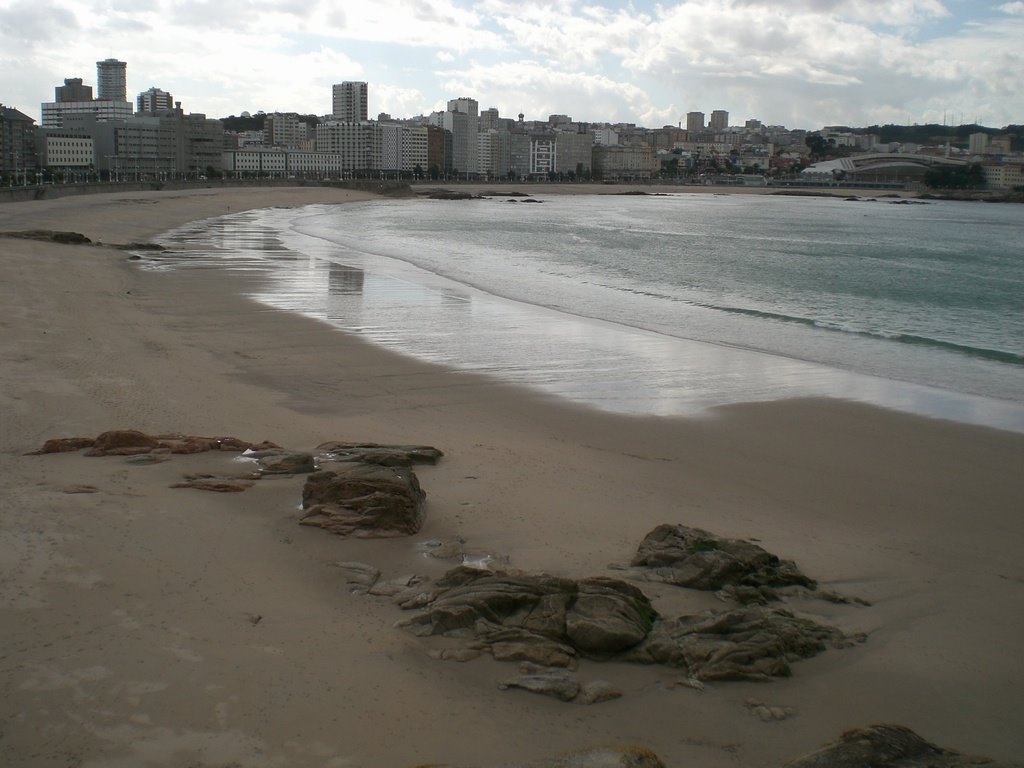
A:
[(148, 625)]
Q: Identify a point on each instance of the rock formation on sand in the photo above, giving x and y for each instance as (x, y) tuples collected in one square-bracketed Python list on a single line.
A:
[(552, 621), (374, 453), (878, 746), (889, 746), (364, 500), (130, 442), (745, 643), (691, 557), (560, 684)]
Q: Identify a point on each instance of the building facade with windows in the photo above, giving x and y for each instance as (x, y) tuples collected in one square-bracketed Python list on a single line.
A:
[(17, 142), (72, 90), (350, 102), (112, 80), (154, 100), (60, 150), (358, 143)]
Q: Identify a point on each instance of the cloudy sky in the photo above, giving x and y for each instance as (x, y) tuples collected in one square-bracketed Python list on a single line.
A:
[(800, 63)]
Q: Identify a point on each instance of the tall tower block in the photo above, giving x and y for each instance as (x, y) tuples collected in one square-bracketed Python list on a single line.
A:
[(112, 80), (349, 102)]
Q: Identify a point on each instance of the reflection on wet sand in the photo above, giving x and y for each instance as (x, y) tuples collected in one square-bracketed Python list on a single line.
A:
[(598, 363)]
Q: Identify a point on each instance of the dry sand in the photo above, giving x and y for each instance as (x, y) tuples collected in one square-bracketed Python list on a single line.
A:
[(126, 631)]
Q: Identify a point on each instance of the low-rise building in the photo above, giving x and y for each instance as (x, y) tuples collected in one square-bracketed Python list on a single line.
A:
[(63, 151), (625, 162), (1004, 176)]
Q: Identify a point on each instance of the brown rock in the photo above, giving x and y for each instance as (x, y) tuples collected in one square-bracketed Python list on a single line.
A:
[(691, 557), (64, 445), (890, 746), (538, 617), (747, 643), (557, 683), (287, 464), (608, 616), (596, 692), (364, 500), (385, 455), (122, 442), (217, 484)]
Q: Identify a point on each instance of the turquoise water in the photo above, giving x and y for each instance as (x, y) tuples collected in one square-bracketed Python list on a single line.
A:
[(668, 304)]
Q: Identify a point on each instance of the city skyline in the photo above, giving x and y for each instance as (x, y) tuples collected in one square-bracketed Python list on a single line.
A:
[(805, 63)]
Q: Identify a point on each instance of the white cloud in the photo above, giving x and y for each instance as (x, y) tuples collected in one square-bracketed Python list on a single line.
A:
[(538, 91), (800, 62), (395, 100)]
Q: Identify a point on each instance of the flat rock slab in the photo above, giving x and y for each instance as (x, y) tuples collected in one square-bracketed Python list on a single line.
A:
[(374, 453), (748, 643), (364, 500), (286, 464), (218, 483), (130, 442), (694, 558), (560, 684)]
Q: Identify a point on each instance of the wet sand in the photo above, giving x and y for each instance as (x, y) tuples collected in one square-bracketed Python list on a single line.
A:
[(128, 634)]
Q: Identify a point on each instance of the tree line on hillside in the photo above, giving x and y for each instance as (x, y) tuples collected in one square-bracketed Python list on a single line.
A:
[(258, 121), (933, 133)]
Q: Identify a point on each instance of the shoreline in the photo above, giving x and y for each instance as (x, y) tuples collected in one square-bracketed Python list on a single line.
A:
[(142, 591)]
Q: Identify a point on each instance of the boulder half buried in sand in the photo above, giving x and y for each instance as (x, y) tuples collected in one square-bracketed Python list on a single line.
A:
[(364, 500)]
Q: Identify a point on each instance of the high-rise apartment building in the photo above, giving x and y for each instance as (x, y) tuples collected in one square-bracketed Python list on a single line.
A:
[(154, 100), (489, 119), (719, 120), (694, 122), (464, 128), (465, 105), (73, 98), (111, 80), (349, 102), (285, 129)]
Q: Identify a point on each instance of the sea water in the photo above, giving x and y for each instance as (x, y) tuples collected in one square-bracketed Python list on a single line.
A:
[(664, 304)]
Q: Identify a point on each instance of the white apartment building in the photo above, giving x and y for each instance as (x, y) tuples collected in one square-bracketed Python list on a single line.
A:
[(493, 153), (1005, 176), (465, 105), (60, 150), (607, 136), (261, 161), (349, 102), (286, 130), (358, 144), (313, 163), (543, 155), (632, 162)]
